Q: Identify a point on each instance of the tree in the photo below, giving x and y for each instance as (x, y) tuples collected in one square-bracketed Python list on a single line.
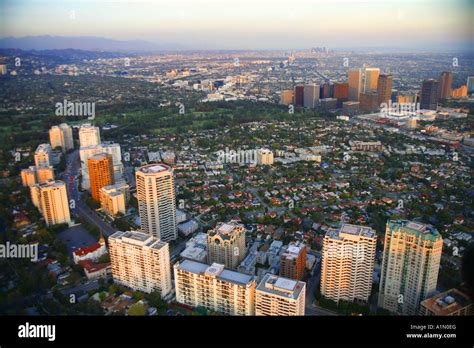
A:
[(137, 309)]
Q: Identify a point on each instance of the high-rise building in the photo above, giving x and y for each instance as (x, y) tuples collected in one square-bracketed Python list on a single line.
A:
[(43, 155), (264, 157), (470, 84), (156, 201), (278, 296), (411, 258), (53, 202), (114, 198), (369, 102), (36, 175), (140, 262), (89, 135), (355, 84), (299, 95), (327, 90), (429, 94), (384, 88), (311, 96), (226, 244), (445, 84), (448, 303), (215, 288), (61, 136), (286, 97), (371, 77), (460, 92), (100, 172), (348, 263), (293, 261), (341, 93)]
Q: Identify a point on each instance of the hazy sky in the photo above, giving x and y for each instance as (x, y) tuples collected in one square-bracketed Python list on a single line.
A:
[(249, 24)]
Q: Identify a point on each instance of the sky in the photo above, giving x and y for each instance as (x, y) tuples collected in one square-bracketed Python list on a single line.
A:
[(249, 24)]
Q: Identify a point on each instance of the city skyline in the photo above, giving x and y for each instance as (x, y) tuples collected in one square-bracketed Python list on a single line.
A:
[(210, 24)]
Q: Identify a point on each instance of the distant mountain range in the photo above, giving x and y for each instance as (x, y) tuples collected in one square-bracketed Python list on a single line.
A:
[(88, 43)]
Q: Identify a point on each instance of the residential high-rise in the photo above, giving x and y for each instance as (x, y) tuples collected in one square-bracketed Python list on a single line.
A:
[(140, 262), (445, 84), (286, 97), (43, 155), (61, 136), (341, 93), (53, 202), (226, 244), (299, 95), (114, 198), (327, 90), (214, 288), (371, 77), (384, 88), (411, 258), (278, 296), (156, 201), (89, 135), (460, 92), (293, 261), (100, 173), (311, 96), (429, 94), (107, 147), (348, 263), (264, 157), (355, 84), (36, 175)]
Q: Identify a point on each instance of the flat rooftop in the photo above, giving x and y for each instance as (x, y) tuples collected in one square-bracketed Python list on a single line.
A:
[(154, 168), (280, 286), (215, 270), (447, 302), (352, 230)]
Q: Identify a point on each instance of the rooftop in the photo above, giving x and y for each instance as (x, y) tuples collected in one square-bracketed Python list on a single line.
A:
[(154, 168), (447, 302), (281, 286)]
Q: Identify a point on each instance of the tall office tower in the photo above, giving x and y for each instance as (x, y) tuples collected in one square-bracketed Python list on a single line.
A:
[(226, 244), (89, 135), (156, 201), (311, 96), (327, 90), (286, 97), (384, 88), (214, 288), (53, 203), (355, 84), (371, 77), (264, 157), (114, 198), (100, 173), (140, 262), (368, 102), (68, 141), (348, 263), (293, 261), (3, 69), (429, 94), (299, 95), (470, 84), (411, 257), (278, 296), (43, 155), (445, 84), (341, 93)]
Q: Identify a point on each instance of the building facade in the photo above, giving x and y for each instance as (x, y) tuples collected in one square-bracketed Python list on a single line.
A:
[(226, 244)]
